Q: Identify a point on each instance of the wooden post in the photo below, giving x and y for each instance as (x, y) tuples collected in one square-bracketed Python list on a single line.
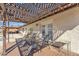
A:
[(8, 31), (4, 35)]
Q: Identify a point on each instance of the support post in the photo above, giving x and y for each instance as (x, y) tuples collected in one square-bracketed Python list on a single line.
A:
[(4, 35), (8, 31)]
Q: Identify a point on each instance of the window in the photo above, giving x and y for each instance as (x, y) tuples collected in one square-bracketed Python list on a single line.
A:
[(43, 30), (50, 33), (47, 32)]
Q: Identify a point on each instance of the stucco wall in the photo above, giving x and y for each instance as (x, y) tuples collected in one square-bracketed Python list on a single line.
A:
[(65, 27)]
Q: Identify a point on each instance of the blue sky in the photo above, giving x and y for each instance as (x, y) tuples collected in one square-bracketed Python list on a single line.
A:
[(12, 24)]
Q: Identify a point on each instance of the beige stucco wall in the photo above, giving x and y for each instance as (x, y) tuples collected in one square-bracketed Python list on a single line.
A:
[(65, 27)]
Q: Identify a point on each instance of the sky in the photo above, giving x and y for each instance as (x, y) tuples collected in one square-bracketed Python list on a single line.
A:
[(12, 24)]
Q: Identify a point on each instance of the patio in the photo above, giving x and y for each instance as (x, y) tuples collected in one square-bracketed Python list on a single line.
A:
[(31, 43)]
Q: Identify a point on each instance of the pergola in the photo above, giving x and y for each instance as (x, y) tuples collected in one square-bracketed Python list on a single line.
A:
[(28, 13)]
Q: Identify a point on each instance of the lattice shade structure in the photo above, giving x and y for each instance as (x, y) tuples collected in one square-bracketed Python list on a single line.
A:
[(31, 12), (36, 11)]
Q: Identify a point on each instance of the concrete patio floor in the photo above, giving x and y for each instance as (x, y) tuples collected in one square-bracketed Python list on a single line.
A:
[(46, 51)]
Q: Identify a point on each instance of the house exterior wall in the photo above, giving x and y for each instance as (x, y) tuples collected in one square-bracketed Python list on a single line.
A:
[(65, 27)]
